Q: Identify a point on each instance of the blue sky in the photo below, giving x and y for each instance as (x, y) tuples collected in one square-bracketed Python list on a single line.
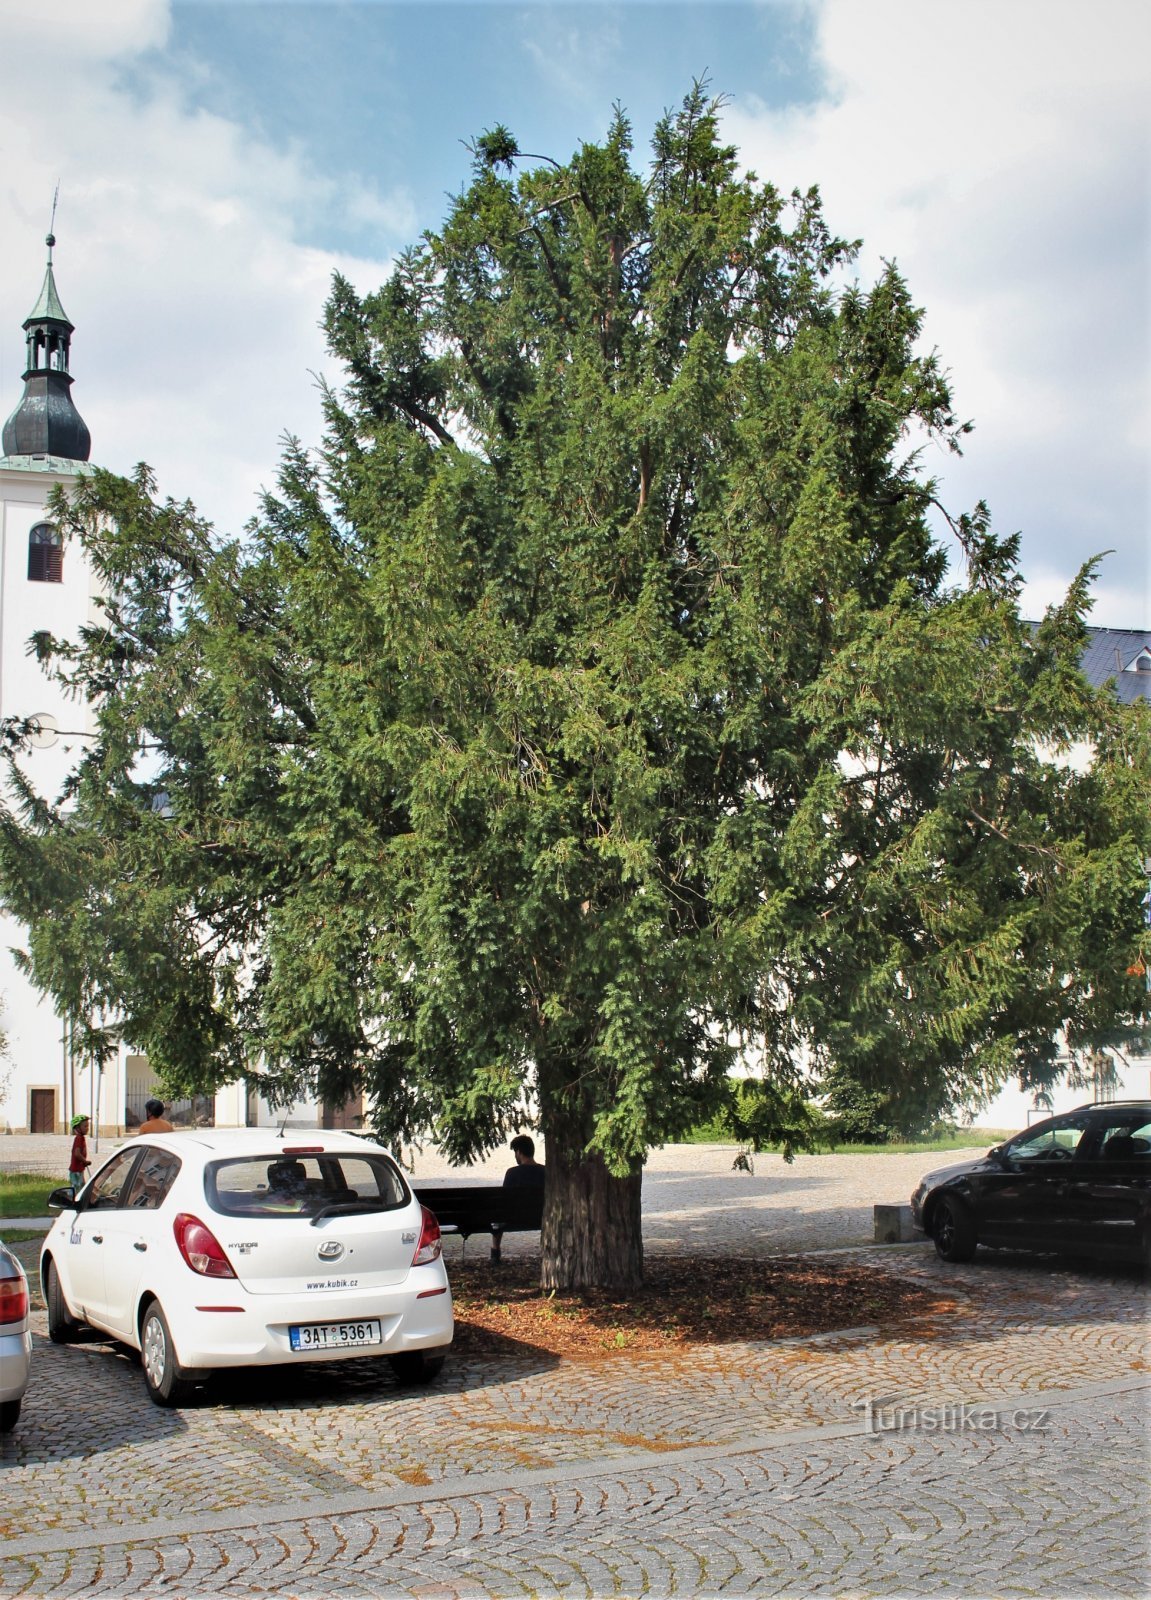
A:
[(390, 92), (218, 161)]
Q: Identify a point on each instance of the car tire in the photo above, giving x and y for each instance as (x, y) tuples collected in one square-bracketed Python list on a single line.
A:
[(953, 1230), (166, 1381), (416, 1366), (63, 1327), (9, 1415)]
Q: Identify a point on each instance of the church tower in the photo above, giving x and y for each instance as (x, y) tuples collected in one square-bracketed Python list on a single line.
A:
[(46, 427)]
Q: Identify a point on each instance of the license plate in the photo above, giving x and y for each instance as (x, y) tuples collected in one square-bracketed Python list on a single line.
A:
[(335, 1335)]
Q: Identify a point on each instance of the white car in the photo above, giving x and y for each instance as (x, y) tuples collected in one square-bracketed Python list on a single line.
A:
[(15, 1339), (232, 1249)]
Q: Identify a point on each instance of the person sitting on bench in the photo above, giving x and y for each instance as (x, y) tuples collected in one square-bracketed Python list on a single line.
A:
[(528, 1173)]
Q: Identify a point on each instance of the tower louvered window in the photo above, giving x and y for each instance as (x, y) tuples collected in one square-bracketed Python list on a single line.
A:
[(45, 554)]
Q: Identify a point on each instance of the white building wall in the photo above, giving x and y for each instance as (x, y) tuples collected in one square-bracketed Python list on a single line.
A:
[(1014, 1108), (41, 1073), (39, 1063)]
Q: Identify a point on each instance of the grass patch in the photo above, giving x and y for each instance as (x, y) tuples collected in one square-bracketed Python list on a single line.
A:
[(25, 1194), (970, 1139), (965, 1139)]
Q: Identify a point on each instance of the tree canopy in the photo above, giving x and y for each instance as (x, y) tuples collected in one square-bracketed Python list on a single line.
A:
[(592, 710)]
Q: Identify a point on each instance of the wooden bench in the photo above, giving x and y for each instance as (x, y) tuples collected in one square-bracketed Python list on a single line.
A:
[(485, 1208)]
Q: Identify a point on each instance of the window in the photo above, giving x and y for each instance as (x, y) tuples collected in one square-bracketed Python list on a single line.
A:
[(45, 554), (1055, 1141), (1125, 1139), (154, 1177), (255, 1186), (106, 1188)]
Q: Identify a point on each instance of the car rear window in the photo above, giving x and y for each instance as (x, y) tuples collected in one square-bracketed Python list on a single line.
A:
[(275, 1185)]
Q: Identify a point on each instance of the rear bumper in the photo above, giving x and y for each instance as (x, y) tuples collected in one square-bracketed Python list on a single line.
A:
[(226, 1327), (15, 1360)]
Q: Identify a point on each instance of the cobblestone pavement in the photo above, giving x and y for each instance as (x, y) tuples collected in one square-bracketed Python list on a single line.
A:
[(843, 1465)]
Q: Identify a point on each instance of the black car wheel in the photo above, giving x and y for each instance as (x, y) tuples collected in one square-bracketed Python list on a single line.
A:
[(953, 1230), (167, 1383), (416, 1366), (63, 1327), (9, 1415)]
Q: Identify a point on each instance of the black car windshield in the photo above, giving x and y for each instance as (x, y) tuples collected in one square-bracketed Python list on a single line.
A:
[(301, 1185)]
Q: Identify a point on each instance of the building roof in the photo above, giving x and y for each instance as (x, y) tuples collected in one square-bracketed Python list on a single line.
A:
[(48, 307), (1123, 654), (46, 424)]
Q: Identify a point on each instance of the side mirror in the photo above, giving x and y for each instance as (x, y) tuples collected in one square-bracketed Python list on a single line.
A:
[(62, 1199), (997, 1152)]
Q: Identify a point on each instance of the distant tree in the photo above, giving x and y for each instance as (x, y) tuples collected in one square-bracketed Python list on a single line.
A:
[(591, 709)]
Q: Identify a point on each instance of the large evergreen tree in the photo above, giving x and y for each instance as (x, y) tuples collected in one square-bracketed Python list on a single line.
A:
[(592, 707)]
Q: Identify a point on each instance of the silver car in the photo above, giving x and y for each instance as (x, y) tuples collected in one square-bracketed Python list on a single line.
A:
[(15, 1339)]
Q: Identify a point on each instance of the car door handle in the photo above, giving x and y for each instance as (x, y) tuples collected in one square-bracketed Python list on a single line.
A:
[(139, 1245)]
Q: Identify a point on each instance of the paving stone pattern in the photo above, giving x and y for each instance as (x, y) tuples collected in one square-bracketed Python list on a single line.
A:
[(710, 1470)]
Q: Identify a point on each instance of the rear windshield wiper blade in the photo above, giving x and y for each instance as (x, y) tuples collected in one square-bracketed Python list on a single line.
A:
[(344, 1206)]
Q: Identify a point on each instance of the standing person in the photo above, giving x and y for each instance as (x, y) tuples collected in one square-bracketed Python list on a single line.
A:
[(79, 1164), (156, 1121), (528, 1173)]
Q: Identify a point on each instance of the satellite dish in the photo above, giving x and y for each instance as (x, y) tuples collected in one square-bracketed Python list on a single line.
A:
[(42, 731)]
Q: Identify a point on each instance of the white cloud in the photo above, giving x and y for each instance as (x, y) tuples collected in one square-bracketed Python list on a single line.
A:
[(196, 308), (45, 31), (999, 153)]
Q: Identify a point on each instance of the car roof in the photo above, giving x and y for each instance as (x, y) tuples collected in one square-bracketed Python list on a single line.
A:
[(266, 1142)]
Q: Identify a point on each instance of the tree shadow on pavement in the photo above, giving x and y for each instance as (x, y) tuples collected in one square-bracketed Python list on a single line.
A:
[(83, 1400), (342, 1383)]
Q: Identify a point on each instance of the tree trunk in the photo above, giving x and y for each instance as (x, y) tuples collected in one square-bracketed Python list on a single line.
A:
[(592, 1233)]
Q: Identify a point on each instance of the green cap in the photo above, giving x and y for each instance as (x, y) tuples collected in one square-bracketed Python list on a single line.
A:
[(78, 1119)]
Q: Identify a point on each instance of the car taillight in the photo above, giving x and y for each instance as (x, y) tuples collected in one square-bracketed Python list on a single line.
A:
[(200, 1248), (430, 1244), (13, 1300)]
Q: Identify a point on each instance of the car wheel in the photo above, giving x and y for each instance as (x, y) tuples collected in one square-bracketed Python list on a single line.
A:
[(9, 1415), (167, 1383), (953, 1230), (63, 1327), (416, 1366)]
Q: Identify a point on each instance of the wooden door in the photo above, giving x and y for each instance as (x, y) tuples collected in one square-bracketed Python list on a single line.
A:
[(42, 1111)]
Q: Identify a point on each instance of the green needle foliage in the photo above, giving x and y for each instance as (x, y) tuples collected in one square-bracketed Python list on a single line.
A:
[(591, 708)]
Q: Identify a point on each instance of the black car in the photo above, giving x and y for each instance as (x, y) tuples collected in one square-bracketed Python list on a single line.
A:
[(1079, 1183)]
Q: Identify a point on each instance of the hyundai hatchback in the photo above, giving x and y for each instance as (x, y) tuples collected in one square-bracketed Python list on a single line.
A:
[(230, 1249)]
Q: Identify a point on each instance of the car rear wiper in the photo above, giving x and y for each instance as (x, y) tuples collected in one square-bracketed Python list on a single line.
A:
[(345, 1206)]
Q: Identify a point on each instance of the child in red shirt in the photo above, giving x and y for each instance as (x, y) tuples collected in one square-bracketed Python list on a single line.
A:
[(79, 1164)]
